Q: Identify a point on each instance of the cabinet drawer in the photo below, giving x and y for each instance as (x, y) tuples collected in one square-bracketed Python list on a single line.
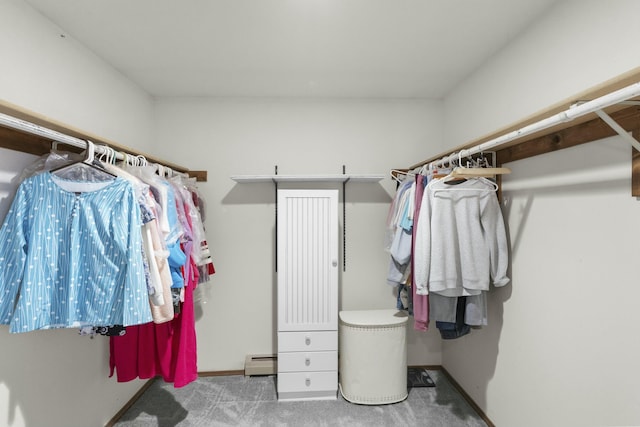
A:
[(308, 361), (307, 381), (308, 341)]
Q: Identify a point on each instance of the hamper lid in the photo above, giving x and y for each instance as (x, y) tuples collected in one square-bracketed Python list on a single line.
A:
[(389, 317)]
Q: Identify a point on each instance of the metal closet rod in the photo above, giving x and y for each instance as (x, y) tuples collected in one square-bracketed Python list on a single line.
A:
[(595, 105), (55, 136)]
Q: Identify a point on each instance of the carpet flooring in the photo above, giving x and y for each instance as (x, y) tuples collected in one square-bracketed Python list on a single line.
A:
[(252, 401)]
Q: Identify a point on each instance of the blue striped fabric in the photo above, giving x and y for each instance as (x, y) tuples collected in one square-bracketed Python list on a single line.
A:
[(72, 259)]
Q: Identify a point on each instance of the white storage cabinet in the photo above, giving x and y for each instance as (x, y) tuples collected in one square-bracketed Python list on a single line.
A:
[(307, 294)]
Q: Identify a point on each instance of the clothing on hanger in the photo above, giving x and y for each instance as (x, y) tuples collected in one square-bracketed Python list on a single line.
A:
[(461, 245), (83, 246), (88, 169), (420, 302), (451, 247), (70, 258)]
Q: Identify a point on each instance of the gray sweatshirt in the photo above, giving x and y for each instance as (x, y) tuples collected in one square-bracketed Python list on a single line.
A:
[(461, 244)]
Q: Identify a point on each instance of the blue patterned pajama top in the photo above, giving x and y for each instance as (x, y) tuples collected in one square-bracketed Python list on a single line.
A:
[(72, 258)]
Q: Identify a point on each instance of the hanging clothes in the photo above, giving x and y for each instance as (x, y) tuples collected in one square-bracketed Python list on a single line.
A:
[(201, 252), (71, 257), (458, 327), (445, 309), (99, 248), (447, 239), (169, 349), (461, 246), (399, 226), (157, 276), (460, 250), (420, 303)]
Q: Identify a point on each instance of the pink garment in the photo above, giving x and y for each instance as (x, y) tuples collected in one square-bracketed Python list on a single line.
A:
[(168, 349), (185, 369), (420, 302)]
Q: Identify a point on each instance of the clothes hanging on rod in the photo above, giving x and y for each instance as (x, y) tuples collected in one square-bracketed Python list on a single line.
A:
[(81, 247), (447, 310), (168, 349), (453, 241), (55, 268), (398, 232), (403, 214), (420, 303)]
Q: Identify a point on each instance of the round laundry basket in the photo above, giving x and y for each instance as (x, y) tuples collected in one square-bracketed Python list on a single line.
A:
[(373, 356)]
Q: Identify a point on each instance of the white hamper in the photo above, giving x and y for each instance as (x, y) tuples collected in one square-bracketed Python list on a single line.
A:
[(373, 356)]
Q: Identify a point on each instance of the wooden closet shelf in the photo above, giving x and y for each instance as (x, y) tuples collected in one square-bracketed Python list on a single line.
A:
[(245, 179), (578, 131), (17, 140)]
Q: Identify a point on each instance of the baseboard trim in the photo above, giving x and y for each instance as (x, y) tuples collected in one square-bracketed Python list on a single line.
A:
[(129, 403), (427, 367), (220, 373), (462, 392), (452, 380)]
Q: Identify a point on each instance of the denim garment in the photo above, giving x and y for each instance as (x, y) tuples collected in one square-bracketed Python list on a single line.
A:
[(451, 330)]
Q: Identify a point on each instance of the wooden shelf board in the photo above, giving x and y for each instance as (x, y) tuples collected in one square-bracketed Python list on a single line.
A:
[(246, 179)]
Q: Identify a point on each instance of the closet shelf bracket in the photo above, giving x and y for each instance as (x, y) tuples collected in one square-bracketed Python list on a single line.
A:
[(619, 129)]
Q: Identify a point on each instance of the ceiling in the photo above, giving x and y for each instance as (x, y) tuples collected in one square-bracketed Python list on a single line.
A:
[(294, 48)]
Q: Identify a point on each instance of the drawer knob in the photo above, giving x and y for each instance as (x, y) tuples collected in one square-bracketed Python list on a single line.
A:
[(307, 340), (307, 361), (307, 382)]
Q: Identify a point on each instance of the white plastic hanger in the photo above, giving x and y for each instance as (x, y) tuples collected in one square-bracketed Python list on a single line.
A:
[(491, 186), (85, 170)]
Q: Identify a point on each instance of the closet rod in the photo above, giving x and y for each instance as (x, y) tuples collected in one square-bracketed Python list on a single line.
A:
[(593, 106), (25, 126), (55, 136)]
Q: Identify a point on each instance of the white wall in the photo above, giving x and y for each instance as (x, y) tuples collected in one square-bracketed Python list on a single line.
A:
[(577, 45), (57, 378), (249, 136), (57, 77), (560, 348)]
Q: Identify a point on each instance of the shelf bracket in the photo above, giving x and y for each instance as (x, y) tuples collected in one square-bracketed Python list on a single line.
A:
[(275, 186), (344, 219), (632, 138), (619, 129)]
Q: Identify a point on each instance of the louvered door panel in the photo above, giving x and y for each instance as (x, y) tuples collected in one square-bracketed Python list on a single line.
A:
[(307, 259)]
